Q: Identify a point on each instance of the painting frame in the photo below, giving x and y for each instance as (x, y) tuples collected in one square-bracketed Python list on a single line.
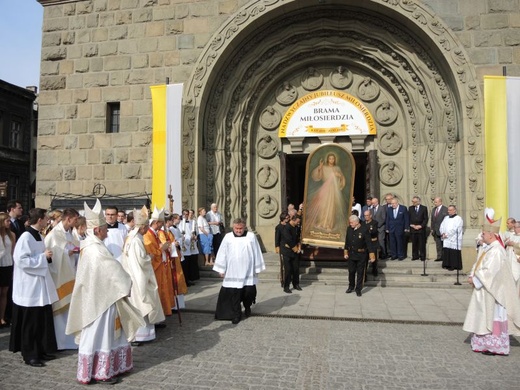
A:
[(329, 187)]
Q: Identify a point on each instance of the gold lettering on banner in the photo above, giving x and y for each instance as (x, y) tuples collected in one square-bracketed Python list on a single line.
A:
[(332, 110)]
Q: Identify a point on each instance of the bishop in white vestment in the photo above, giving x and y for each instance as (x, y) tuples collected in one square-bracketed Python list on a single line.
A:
[(138, 264), (63, 271), (101, 316), (494, 309)]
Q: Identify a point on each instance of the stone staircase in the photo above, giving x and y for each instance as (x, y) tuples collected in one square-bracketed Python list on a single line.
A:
[(392, 273)]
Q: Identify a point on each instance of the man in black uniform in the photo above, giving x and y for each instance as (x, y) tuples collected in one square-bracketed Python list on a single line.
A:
[(371, 225), (358, 247), (289, 249), (284, 217)]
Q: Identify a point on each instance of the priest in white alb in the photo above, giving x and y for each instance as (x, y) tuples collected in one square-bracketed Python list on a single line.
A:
[(494, 309), (512, 243), (239, 261), (101, 316), (138, 264), (64, 246)]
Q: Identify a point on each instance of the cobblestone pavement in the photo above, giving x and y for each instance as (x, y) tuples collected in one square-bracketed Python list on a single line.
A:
[(272, 351)]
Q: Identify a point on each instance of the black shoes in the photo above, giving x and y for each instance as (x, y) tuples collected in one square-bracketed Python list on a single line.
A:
[(235, 320), (46, 356), (415, 258), (160, 325), (286, 290), (438, 260), (358, 293), (400, 258), (34, 363), (349, 290), (298, 288), (136, 344), (247, 312), (111, 381)]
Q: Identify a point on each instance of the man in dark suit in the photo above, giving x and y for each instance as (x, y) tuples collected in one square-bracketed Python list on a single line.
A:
[(371, 226), (397, 223), (15, 211), (289, 250), (439, 211), (379, 213), (357, 250), (418, 221), (367, 206)]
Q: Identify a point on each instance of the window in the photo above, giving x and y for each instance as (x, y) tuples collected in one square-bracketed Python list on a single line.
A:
[(113, 116), (15, 137), (34, 161)]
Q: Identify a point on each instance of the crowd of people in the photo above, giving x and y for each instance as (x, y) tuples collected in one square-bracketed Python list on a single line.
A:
[(100, 283)]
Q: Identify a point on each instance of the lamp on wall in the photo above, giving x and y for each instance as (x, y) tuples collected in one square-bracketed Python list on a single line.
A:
[(3, 189)]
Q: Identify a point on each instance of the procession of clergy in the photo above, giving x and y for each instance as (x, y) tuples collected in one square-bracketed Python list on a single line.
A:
[(99, 285), (108, 289)]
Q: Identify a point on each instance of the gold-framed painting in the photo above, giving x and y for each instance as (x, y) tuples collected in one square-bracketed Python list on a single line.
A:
[(329, 186)]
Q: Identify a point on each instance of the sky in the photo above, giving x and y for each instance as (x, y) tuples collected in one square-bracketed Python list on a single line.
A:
[(20, 41)]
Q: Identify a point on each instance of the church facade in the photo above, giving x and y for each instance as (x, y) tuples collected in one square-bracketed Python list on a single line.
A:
[(417, 66)]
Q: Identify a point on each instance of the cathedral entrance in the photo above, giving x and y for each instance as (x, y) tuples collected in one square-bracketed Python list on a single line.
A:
[(293, 178), (409, 87)]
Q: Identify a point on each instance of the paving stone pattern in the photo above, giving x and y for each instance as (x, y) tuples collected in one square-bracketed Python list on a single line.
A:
[(384, 340)]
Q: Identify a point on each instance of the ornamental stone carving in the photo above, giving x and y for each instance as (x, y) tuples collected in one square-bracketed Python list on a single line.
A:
[(270, 118), (267, 206), (386, 114), (391, 174), (286, 94), (312, 79), (368, 90), (266, 147), (390, 142), (267, 176), (341, 78)]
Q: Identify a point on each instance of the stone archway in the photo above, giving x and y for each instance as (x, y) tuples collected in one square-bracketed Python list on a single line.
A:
[(425, 99)]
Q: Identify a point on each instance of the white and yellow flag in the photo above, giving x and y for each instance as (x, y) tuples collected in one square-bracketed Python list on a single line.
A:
[(167, 145), (502, 145)]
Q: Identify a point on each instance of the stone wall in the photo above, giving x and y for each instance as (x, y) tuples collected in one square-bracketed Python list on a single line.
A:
[(99, 51)]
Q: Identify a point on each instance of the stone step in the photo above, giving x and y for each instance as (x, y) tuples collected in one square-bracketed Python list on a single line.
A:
[(404, 273)]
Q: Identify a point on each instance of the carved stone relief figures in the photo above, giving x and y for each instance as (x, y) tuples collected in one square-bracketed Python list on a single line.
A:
[(267, 206), (341, 77), (368, 90), (286, 94), (266, 147), (312, 79), (390, 142), (270, 118), (386, 114), (267, 176), (390, 174)]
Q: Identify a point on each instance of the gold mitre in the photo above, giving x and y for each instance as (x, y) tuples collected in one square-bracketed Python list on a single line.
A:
[(95, 216), (141, 216), (157, 215)]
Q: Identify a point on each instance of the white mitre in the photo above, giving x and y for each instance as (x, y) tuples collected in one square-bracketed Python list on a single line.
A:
[(157, 215), (95, 216), (141, 217)]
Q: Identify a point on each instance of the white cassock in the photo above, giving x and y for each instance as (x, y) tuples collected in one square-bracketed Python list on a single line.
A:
[(145, 293), (63, 273), (116, 240)]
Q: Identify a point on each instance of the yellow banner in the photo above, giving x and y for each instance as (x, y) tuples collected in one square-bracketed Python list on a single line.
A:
[(495, 141), (159, 190)]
